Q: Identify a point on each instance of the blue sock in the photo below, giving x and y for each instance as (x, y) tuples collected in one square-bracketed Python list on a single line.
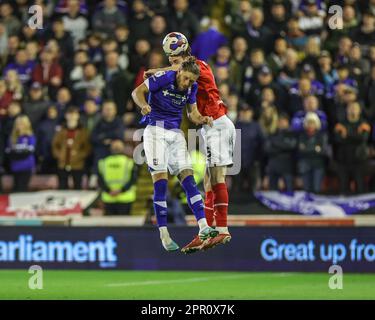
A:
[(194, 197), (160, 202)]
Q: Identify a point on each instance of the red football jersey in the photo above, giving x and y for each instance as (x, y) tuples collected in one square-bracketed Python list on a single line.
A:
[(208, 98)]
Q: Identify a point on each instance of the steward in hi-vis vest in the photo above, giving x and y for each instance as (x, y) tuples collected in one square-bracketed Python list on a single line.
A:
[(117, 177)]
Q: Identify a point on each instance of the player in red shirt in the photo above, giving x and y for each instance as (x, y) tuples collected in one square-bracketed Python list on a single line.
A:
[(219, 144)]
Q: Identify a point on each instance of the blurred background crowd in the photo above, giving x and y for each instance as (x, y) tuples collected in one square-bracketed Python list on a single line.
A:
[(298, 80)]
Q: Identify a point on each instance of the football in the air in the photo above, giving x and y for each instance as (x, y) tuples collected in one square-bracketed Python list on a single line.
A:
[(175, 43)]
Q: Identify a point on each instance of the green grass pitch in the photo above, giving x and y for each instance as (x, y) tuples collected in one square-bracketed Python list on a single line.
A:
[(183, 285)]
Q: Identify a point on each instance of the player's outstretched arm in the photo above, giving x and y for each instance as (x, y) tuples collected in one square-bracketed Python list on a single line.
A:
[(139, 97), (150, 72), (195, 116)]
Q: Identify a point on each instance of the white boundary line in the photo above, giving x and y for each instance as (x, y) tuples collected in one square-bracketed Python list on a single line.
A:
[(162, 282)]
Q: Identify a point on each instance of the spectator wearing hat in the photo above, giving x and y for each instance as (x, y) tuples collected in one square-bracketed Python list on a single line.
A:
[(280, 148), (70, 147), (264, 80), (251, 150), (312, 152)]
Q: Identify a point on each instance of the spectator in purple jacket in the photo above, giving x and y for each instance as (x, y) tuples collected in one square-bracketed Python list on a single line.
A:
[(208, 42), (310, 104), (21, 148), (22, 65)]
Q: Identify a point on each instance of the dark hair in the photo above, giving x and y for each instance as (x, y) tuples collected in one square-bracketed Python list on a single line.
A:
[(190, 64), (71, 109)]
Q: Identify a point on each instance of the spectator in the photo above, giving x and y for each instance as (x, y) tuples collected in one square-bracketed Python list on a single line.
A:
[(288, 74), (117, 180), (140, 57), (45, 132), (23, 66), (14, 84), (264, 80), (183, 20), (90, 79), (351, 138), (369, 95), (295, 37), (312, 152), (364, 34), (91, 115), (109, 128), (257, 34), (118, 85), (14, 110), (74, 21), (239, 16), (36, 105), (11, 23), (75, 74), (310, 104), (209, 42), (257, 61), (277, 21), (158, 31), (6, 97), (48, 73), (106, 20), (276, 59), (268, 120), (238, 62), (70, 147), (110, 45), (311, 21), (251, 149), (139, 23), (21, 149), (122, 38), (62, 36), (280, 148)]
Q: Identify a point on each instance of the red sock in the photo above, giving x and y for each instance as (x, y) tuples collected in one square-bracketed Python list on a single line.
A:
[(209, 208), (221, 204)]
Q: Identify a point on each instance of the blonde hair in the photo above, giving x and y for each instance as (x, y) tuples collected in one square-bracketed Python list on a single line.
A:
[(269, 124), (312, 117), (28, 131)]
